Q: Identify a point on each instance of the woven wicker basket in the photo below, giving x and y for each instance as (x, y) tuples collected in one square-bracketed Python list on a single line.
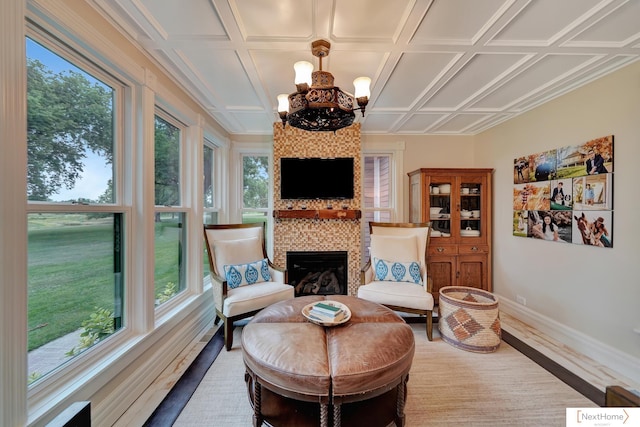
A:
[(469, 319)]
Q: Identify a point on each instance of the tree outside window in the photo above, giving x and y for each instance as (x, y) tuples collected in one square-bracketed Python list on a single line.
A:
[(170, 227), (255, 191), (75, 277)]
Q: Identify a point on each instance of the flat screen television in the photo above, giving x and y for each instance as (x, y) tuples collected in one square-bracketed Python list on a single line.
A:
[(316, 178)]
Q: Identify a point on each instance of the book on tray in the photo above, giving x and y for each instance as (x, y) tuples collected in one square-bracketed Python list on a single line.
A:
[(326, 312)]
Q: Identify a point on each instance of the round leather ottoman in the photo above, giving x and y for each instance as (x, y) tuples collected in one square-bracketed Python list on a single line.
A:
[(363, 359)]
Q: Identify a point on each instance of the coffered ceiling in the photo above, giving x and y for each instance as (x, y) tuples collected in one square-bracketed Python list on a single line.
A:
[(437, 67)]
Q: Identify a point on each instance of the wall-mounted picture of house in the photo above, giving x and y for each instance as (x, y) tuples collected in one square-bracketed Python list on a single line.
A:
[(594, 157)]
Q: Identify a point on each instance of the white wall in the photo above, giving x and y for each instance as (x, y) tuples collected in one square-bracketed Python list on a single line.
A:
[(587, 297), (428, 151)]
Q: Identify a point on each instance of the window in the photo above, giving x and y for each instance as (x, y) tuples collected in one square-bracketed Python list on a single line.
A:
[(255, 188), (75, 216), (69, 130), (170, 226), (208, 198), (378, 194), (210, 195)]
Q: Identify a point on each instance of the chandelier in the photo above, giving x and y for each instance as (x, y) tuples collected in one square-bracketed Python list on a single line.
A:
[(318, 105)]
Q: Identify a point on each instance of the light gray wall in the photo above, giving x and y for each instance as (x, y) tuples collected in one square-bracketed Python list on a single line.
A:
[(590, 293), (585, 297)]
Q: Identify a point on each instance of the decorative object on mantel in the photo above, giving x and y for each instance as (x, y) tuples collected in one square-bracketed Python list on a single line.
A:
[(566, 194), (318, 105)]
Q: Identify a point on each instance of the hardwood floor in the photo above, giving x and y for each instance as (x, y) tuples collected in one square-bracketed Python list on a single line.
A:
[(175, 401), (585, 376)]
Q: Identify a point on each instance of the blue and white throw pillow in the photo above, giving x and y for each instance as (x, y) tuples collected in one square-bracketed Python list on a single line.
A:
[(393, 271), (247, 274)]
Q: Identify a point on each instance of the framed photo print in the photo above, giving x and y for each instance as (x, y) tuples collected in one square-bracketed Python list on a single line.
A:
[(554, 226), (561, 195), (593, 192), (566, 194), (593, 228), (531, 196), (520, 223)]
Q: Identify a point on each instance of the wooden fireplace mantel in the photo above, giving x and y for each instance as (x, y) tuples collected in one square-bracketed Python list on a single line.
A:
[(317, 214)]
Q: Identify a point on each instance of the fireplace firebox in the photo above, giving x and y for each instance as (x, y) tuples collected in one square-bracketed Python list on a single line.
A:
[(318, 272)]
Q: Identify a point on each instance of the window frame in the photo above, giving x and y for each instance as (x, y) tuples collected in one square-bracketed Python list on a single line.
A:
[(86, 363), (133, 163), (219, 171), (395, 152), (241, 150), (182, 208)]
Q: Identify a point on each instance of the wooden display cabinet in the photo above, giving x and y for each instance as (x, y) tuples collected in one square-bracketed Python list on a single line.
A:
[(458, 204)]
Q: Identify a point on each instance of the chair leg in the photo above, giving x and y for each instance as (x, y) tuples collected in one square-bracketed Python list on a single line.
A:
[(429, 325), (228, 333), (216, 320)]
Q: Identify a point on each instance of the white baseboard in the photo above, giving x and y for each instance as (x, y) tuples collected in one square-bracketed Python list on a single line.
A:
[(610, 357)]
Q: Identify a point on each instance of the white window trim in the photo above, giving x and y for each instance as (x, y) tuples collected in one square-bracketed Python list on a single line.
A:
[(188, 136), (13, 174), (396, 150), (239, 150), (220, 173), (76, 372)]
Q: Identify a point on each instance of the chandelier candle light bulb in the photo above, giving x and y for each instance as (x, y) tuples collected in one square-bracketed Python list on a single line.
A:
[(283, 102), (303, 75), (362, 91)]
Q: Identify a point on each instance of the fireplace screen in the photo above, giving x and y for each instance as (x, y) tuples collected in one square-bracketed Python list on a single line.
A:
[(318, 273)]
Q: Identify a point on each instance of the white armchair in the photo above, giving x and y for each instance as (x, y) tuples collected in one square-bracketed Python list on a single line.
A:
[(243, 278), (396, 273)]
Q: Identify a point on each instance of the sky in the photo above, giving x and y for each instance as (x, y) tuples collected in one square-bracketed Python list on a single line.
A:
[(93, 181)]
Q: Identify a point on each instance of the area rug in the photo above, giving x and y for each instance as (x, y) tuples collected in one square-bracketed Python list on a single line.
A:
[(447, 387)]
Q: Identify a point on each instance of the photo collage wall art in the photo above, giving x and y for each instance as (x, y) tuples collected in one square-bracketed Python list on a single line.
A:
[(566, 194)]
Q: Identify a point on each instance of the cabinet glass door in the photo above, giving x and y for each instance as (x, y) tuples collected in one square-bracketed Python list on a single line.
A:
[(471, 215), (440, 207)]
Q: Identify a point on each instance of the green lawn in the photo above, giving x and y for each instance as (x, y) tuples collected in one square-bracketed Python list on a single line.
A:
[(71, 271)]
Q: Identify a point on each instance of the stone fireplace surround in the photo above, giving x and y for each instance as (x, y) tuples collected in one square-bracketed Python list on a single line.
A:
[(335, 232)]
